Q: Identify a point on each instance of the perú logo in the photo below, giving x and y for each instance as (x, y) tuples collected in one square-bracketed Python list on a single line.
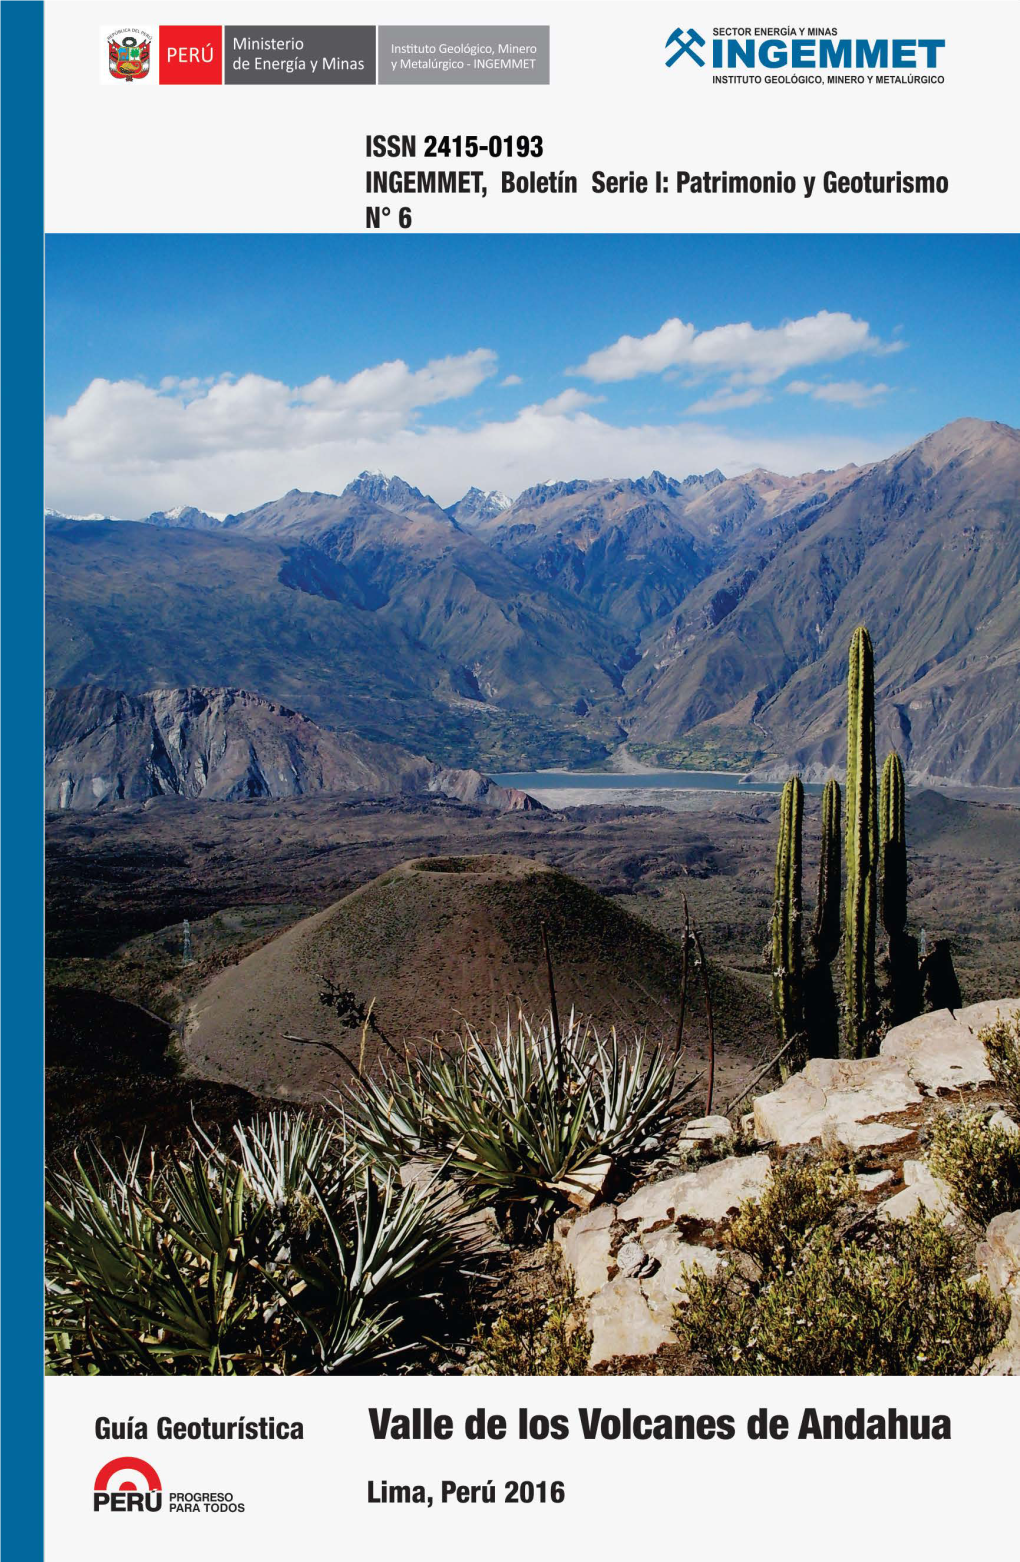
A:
[(684, 42), (127, 1485)]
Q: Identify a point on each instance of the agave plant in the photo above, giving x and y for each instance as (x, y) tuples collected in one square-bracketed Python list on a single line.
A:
[(524, 1117), (153, 1271), (283, 1153), (351, 1284), (288, 1255)]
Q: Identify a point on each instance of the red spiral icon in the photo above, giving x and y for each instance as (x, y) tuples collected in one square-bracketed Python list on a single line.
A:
[(132, 1467)]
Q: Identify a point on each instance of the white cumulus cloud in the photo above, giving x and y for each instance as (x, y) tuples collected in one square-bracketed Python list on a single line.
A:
[(849, 393), (747, 354), (728, 400), (132, 427), (124, 448)]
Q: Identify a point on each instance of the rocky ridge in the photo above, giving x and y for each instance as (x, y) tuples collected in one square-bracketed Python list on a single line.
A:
[(104, 746), (627, 1258)]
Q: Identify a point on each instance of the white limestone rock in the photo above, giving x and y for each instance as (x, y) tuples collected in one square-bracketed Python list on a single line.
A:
[(999, 1254), (665, 1287), (656, 1201), (632, 1262), (632, 1313), (585, 1244), (708, 1194), (838, 1134), (707, 1130), (939, 1051), (634, 1316), (621, 1323), (977, 1015), (587, 1185), (834, 1098), (922, 1191)]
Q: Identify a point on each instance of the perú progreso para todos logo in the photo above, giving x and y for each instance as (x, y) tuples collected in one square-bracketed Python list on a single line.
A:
[(129, 53), (127, 1485)]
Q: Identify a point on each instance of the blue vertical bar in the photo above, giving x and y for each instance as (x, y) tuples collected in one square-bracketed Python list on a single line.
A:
[(21, 641)]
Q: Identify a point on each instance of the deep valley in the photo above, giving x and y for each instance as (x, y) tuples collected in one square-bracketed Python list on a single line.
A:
[(702, 621)]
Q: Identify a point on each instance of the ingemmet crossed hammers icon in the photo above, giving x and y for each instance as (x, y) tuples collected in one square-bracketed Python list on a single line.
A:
[(685, 46)]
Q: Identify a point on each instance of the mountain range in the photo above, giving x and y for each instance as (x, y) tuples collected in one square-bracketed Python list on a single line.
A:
[(707, 615)]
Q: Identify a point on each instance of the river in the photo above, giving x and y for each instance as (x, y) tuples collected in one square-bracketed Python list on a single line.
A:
[(540, 783)]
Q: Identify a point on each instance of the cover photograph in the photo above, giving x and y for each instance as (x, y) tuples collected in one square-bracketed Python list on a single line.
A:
[(512, 815)]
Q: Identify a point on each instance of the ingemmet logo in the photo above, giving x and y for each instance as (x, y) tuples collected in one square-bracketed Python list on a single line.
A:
[(798, 50)]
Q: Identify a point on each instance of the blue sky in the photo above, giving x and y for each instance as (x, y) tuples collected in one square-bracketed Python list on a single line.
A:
[(229, 363)]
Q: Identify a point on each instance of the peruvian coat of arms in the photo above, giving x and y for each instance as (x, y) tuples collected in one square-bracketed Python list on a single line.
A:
[(129, 54)]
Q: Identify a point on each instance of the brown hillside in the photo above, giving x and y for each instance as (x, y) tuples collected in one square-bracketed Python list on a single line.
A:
[(438, 942)]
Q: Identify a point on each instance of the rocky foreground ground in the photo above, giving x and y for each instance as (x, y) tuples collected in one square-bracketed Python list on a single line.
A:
[(628, 1259)]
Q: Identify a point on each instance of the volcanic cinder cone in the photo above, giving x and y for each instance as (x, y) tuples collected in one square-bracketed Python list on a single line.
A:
[(435, 943)]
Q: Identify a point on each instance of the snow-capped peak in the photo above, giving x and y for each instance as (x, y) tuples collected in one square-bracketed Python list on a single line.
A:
[(479, 505), (61, 515)]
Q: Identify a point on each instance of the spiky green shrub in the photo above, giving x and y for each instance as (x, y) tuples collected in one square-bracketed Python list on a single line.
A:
[(520, 1120), (287, 1255), (979, 1161), (796, 1201), (539, 1339), (1001, 1042), (892, 1298), (901, 1304)]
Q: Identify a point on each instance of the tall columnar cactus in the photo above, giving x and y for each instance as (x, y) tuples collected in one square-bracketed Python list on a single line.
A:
[(892, 817), (787, 952), (861, 848), (820, 1011), (902, 998), (825, 934)]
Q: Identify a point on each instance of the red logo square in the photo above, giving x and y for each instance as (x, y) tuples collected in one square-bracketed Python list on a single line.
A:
[(191, 56)]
